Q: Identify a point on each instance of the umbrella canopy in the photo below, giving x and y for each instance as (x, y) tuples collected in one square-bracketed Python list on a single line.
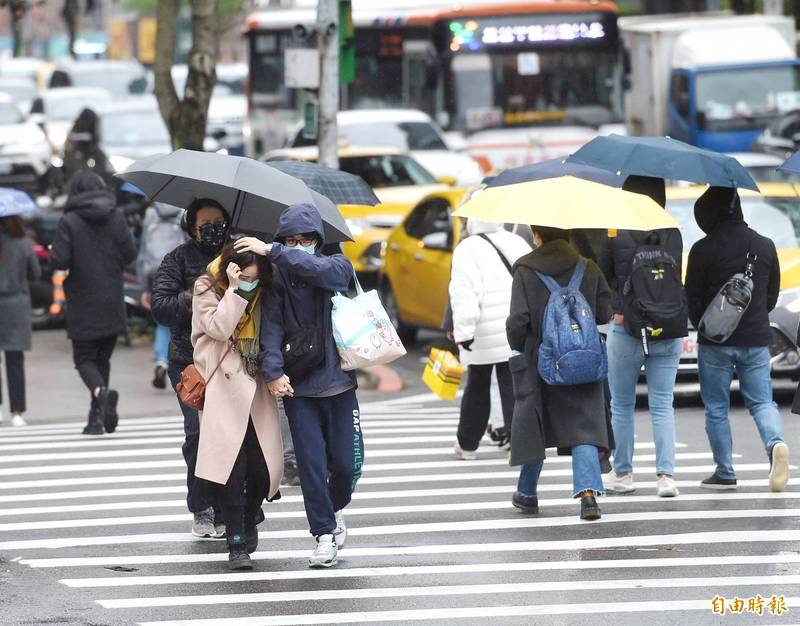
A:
[(567, 202), (663, 157), (792, 164), (254, 193), (554, 168), (15, 202), (341, 187)]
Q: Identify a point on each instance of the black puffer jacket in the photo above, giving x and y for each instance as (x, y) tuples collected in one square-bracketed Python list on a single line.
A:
[(171, 299), (93, 242)]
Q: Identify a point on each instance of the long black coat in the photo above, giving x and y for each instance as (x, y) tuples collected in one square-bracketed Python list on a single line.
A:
[(544, 415), (93, 242)]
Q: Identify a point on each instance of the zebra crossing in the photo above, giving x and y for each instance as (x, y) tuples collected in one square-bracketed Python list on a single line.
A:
[(433, 539)]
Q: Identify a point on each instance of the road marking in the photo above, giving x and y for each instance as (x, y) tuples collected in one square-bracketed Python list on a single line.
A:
[(392, 529), (570, 545)]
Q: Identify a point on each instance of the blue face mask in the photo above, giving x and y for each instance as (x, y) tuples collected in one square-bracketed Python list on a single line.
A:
[(246, 287), (312, 249)]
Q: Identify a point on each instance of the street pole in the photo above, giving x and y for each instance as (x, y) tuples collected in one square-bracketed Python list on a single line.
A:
[(327, 27)]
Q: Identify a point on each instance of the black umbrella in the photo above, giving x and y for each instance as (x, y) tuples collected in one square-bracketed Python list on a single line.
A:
[(254, 193), (341, 187)]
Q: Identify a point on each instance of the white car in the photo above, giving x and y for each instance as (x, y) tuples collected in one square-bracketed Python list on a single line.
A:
[(21, 90), (24, 151), (408, 130), (57, 109)]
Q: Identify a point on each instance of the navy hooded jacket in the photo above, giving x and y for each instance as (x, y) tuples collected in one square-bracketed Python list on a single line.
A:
[(302, 287)]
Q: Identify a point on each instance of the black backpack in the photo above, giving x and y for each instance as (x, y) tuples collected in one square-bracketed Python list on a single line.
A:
[(653, 300)]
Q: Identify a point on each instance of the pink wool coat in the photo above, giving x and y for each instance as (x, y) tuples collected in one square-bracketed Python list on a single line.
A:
[(232, 396)]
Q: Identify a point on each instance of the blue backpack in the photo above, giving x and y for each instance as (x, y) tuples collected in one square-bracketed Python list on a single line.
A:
[(571, 352)]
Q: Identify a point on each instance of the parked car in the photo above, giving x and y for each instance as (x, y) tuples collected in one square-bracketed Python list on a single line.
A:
[(55, 110), (398, 181), (407, 130), (24, 150), (21, 90), (121, 78), (28, 68), (775, 213), (781, 138)]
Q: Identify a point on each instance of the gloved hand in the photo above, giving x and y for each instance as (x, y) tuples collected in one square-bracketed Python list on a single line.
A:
[(466, 344)]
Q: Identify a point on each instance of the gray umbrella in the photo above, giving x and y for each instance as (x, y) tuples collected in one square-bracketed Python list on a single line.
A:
[(254, 193)]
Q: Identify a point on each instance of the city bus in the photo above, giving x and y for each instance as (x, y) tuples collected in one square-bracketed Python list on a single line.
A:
[(512, 82)]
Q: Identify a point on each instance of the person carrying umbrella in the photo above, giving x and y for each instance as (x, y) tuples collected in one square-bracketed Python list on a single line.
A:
[(321, 402)]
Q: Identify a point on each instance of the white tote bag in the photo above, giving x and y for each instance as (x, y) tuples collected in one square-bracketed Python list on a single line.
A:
[(362, 330)]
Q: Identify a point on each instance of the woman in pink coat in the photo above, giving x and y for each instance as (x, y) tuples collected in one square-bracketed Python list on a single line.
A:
[(240, 439)]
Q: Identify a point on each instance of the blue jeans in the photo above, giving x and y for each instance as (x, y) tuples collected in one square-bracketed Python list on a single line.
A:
[(161, 344), (625, 360), (585, 473), (717, 365)]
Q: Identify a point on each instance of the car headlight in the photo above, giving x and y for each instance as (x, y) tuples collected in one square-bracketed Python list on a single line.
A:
[(119, 163), (789, 299)]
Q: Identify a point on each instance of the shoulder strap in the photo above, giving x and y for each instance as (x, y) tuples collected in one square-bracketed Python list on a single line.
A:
[(228, 346), (577, 275), (751, 258), (500, 254), (549, 282)]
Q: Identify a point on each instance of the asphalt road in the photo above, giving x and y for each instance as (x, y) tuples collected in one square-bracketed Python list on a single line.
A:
[(94, 531)]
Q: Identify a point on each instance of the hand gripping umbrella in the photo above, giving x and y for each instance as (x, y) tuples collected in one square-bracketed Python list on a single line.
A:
[(254, 193)]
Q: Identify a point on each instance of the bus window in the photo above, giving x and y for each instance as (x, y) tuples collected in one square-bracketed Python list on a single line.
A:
[(267, 87)]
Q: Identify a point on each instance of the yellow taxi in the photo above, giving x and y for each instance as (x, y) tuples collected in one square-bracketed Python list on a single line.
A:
[(398, 180), (774, 213)]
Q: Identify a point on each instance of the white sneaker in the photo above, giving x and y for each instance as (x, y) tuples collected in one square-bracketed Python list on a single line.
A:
[(464, 455), (665, 487), (18, 420), (779, 470), (325, 553), (340, 534), (619, 483)]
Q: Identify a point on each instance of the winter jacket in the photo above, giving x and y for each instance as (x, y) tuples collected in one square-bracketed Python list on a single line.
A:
[(161, 234), (93, 242), (480, 291), (171, 298), (721, 254), (302, 287), (18, 267), (544, 415), (232, 398)]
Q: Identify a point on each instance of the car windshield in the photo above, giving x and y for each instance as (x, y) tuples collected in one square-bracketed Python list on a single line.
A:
[(774, 217), (402, 135), (67, 109), (388, 170), (119, 81), (131, 128), (10, 114)]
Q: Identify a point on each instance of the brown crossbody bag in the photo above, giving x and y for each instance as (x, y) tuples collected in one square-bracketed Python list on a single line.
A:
[(192, 386)]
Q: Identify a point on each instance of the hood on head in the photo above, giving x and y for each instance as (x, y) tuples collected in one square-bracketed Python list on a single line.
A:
[(300, 218), (716, 205), (166, 211), (94, 206), (479, 227), (648, 186)]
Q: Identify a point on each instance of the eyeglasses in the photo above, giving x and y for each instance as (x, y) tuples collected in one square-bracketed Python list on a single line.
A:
[(291, 242), (216, 222)]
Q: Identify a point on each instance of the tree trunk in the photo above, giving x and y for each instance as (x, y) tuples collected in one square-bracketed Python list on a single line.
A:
[(328, 28), (71, 13), (186, 119)]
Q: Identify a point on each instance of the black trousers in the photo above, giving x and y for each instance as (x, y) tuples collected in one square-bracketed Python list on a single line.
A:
[(92, 358), (476, 402), (247, 486), (15, 373)]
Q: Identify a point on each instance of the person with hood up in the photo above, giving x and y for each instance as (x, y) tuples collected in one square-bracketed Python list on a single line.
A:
[(571, 418), (93, 243), (322, 407), (480, 296), (206, 223), (626, 356), (712, 261), (240, 439), (162, 232)]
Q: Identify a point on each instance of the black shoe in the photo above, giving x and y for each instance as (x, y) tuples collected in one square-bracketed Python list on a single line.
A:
[(589, 507), (94, 425), (107, 406), (251, 539), (717, 483), (291, 478), (605, 466), (526, 504), (160, 377), (238, 557)]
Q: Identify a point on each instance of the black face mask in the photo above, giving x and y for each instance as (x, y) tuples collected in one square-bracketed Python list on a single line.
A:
[(212, 236)]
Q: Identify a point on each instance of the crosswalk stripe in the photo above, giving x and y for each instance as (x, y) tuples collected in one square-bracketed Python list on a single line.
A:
[(487, 547), (394, 529)]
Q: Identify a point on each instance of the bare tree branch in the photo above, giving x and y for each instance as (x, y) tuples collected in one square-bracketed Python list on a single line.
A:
[(166, 17)]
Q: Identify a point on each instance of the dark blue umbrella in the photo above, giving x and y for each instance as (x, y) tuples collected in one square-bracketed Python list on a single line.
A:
[(555, 168), (15, 202), (791, 165), (663, 157)]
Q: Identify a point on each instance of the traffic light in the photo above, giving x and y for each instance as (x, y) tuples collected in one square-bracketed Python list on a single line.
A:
[(347, 46)]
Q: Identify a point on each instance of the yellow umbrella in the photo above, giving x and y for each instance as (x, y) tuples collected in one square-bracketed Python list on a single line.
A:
[(567, 202)]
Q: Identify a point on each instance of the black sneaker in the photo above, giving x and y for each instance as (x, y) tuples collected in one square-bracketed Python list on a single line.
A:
[(291, 478), (251, 539), (526, 504), (718, 483), (590, 510), (160, 377), (107, 406), (94, 425), (238, 557)]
